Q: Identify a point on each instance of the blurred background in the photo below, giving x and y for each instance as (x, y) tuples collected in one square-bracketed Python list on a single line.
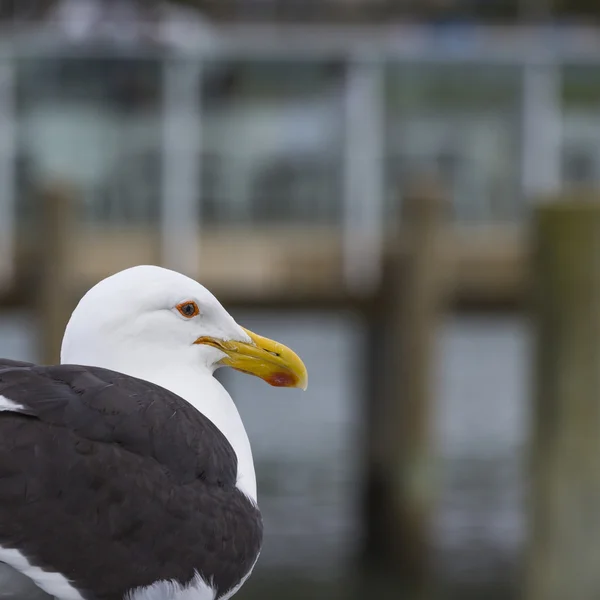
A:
[(273, 149)]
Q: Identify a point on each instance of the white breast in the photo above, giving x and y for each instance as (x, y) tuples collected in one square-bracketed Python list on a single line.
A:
[(198, 589)]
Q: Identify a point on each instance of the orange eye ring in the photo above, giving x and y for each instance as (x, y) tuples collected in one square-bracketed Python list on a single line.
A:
[(188, 309)]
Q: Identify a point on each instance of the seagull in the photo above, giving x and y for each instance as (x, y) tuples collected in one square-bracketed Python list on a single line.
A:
[(125, 471)]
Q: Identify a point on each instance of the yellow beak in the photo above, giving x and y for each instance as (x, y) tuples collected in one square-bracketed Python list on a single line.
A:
[(264, 358)]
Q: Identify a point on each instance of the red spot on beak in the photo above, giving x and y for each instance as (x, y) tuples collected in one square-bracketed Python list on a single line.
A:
[(281, 379)]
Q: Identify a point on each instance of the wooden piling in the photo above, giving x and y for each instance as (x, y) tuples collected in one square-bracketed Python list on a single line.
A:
[(564, 510), (54, 260), (402, 475)]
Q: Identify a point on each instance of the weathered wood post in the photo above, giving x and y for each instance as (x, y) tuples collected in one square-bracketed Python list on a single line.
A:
[(54, 245), (401, 489), (563, 558)]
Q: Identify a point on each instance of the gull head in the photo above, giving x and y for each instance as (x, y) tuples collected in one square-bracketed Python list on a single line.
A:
[(163, 319)]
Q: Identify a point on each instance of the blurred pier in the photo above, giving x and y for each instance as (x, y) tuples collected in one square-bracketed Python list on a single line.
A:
[(287, 265), (366, 184), (429, 267), (206, 151)]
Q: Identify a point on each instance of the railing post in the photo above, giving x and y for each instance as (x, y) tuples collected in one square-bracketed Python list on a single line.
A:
[(180, 218), (8, 161), (55, 298), (363, 175), (541, 128), (564, 512), (402, 481)]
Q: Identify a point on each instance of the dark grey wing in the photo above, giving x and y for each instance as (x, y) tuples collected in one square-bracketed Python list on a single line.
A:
[(115, 482), (99, 405)]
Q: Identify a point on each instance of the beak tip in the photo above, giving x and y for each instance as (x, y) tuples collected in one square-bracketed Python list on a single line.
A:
[(273, 362)]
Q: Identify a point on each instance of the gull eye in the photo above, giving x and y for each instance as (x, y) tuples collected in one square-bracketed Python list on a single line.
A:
[(188, 309)]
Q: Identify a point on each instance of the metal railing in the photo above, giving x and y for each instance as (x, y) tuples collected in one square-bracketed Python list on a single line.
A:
[(233, 157)]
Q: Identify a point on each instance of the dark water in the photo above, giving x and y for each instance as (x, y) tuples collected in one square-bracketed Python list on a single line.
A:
[(307, 448)]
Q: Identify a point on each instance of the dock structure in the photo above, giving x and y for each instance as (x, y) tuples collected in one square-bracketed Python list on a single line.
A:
[(428, 267), (485, 266), (414, 269)]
